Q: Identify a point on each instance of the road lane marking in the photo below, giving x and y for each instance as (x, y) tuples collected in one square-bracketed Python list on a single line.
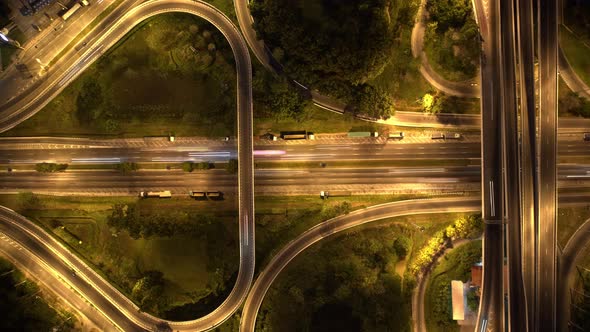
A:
[(492, 203)]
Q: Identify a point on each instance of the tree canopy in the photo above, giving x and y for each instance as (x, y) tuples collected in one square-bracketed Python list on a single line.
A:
[(449, 13), (333, 46)]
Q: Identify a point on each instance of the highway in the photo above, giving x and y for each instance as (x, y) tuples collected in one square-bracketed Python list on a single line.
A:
[(217, 151), (546, 270), (304, 180), (528, 147), (516, 300), (490, 315), (98, 43)]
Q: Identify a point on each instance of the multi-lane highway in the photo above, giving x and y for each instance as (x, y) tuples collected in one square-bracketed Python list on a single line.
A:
[(545, 309), (291, 180), (75, 152), (516, 304), (491, 310), (528, 155)]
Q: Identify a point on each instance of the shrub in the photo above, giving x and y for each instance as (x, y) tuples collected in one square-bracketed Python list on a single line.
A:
[(50, 167), (126, 167)]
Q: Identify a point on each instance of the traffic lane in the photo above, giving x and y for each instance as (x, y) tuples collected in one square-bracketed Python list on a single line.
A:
[(179, 154), (338, 224), (546, 253), (570, 176), (264, 153), (211, 181)]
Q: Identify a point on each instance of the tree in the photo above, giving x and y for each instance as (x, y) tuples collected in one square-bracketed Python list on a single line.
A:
[(188, 166), (280, 99), (449, 13), (401, 246), (126, 167), (232, 166), (428, 102), (50, 167), (88, 101), (149, 290), (374, 102), (350, 41), (204, 165)]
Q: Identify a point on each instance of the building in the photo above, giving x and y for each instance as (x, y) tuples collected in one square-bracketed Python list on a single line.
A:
[(458, 299)]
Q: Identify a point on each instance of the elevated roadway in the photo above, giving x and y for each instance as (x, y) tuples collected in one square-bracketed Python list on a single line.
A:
[(544, 318), (516, 299), (491, 309), (528, 150)]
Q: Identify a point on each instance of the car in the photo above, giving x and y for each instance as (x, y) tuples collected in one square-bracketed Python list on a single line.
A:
[(586, 136)]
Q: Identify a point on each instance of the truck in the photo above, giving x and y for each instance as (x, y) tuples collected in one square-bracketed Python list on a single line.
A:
[(214, 195), (159, 194), (68, 13), (355, 134), (292, 135), (399, 135), (453, 136), (334, 193), (197, 194), (438, 136)]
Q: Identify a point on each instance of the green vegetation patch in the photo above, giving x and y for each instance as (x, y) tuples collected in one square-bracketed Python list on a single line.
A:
[(336, 47), (570, 103), (580, 294), (575, 36), (359, 274), (178, 264), (346, 283), (569, 220), (174, 73), (455, 265), (452, 40), (25, 308)]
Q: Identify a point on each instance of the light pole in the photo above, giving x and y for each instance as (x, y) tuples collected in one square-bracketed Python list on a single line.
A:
[(5, 39), (44, 67)]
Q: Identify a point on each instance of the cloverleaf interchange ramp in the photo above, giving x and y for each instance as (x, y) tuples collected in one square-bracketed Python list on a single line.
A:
[(129, 317)]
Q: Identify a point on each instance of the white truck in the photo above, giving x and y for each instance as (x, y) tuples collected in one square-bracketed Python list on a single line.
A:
[(159, 194), (398, 135), (68, 13)]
